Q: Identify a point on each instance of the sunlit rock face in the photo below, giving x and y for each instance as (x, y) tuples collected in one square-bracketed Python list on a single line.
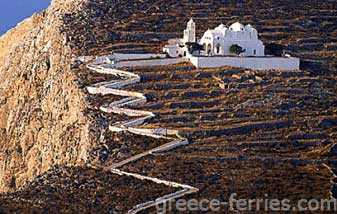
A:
[(41, 123)]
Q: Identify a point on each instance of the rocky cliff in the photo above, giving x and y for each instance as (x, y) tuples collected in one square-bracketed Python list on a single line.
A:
[(41, 121)]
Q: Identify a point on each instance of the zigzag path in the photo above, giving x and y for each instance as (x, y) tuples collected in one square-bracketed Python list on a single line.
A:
[(121, 107)]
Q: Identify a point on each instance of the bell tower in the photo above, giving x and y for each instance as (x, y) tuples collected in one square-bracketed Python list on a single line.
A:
[(189, 32)]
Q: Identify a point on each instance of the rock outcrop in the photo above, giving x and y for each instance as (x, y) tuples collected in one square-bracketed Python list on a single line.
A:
[(41, 121)]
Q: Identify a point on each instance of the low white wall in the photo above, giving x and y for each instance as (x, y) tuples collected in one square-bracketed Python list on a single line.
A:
[(150, 62), (256, 63), (121, 56)]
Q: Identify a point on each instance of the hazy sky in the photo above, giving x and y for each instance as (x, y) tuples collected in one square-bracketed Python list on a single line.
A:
[(14, 11)]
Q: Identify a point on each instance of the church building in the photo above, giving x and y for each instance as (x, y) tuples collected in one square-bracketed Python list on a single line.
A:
[(218, 41)]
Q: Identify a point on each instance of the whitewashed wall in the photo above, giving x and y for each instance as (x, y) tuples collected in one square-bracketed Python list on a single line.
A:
[(150, 62), (256, 63), (121, 56)]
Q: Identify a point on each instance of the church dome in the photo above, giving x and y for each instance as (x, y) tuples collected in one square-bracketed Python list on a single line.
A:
[(220, 27), (237, 26), (249, 26)]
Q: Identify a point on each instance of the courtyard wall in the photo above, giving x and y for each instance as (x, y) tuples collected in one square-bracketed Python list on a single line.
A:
[(256, 63)]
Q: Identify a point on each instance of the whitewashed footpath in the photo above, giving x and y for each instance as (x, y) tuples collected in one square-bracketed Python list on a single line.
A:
[(120, 57), (119, 107)]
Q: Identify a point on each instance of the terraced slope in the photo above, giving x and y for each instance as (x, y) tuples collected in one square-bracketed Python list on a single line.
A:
[(252, 132), (282, 124)]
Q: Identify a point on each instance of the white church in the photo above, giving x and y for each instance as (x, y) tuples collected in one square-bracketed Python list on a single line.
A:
[(216, 49), (217, 41)]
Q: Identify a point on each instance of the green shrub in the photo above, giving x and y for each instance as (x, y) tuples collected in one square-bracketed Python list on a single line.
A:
[(237, 49)]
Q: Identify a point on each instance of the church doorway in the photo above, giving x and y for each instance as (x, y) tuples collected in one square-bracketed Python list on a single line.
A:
[(209, 49), (218, 49)]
